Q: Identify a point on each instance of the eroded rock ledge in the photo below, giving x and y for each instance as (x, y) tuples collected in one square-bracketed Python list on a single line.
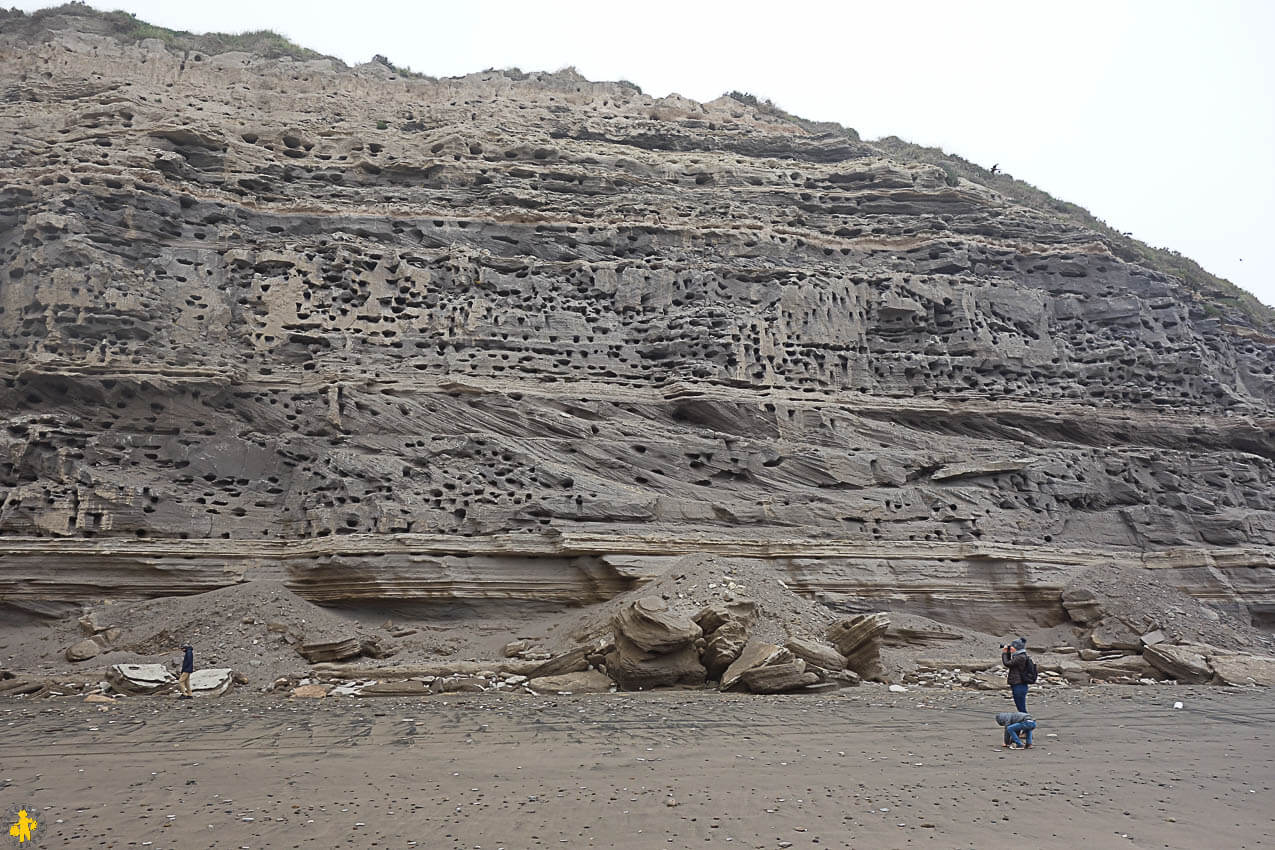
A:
[(987, 586)]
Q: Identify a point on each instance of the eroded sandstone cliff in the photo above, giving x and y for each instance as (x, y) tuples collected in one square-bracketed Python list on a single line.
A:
[(531, 337)]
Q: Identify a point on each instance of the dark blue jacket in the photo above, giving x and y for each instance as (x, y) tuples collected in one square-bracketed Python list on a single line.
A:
[(1017, 664), (188, 662)]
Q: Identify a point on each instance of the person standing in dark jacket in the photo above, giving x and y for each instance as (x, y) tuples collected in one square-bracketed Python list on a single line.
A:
[(1014, 656), (188, 667)]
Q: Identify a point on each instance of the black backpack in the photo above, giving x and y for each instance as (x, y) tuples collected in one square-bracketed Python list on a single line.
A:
[(1030, 671)]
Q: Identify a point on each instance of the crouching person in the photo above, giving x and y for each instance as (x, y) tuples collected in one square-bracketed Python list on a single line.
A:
[(1017, 723)]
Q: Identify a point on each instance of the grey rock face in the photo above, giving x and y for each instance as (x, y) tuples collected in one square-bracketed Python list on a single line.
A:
[(479, 338)]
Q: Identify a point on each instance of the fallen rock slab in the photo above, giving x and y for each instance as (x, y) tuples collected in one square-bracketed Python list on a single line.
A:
[(756, 653), (140, 678), (839, 678), (211, 681), (402, 688), (778, 678), (816, 653), (412, 671), (1183, 663), (572, 661), (582, 682), (331, 649), (1242, 669)]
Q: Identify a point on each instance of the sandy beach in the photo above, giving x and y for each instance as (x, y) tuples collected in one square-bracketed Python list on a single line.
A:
[(1113, 767)]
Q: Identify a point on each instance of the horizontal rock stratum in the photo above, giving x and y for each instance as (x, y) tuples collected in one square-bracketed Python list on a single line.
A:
[(526, 336)]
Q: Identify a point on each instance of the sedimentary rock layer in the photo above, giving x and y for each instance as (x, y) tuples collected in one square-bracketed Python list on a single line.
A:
[(389, 336)]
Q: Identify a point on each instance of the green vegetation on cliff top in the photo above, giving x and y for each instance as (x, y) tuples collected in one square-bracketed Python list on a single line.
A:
[(129, 28)]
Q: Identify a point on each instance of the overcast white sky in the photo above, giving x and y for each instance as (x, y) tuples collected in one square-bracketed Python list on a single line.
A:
[(1156, 115)]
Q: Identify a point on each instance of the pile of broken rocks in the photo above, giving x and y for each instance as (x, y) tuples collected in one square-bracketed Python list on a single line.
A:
[(655, 647), (647, 646)]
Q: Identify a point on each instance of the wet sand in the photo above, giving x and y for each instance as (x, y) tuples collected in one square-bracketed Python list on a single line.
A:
[(859, 768)]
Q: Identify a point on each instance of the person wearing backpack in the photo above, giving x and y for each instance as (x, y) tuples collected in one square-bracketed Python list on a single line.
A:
[(1022, 671)]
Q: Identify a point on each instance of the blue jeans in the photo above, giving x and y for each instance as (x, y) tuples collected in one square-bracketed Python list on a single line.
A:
[(1020, 697), (1025, 727)]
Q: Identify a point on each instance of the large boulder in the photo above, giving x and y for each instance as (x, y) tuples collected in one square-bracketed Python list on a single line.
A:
[(140, 678), (581, 682), (778, 678), (636, 669), (723, 647), (756, 653), (859, 640), (655, 647), (83, 650), (649, 624), (1184, 663)]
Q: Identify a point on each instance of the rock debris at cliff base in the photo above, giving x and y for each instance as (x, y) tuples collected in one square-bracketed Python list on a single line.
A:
[(529, 338), (718, 623)]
